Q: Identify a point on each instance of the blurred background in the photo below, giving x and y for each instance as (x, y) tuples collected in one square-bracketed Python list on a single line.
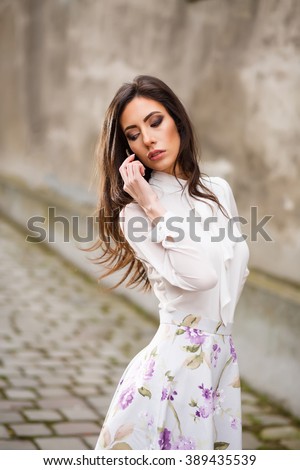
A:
[(64, 340)]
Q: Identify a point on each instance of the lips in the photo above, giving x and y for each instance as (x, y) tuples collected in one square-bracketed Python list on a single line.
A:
[(155, 154)]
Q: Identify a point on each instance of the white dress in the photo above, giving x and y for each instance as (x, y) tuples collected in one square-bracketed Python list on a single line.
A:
[(182, 391)]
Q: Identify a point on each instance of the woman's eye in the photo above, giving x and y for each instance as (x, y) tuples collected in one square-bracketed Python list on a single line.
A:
[(157, 122), (132, 137)]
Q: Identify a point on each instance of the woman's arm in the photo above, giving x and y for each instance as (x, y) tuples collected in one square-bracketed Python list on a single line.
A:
[(183, 263), (234, 213)]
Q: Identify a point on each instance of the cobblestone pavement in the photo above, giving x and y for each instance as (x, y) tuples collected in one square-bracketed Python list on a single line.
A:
[(63, 347)]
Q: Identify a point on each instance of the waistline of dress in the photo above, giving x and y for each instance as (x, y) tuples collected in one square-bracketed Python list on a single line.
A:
[(186, 321)]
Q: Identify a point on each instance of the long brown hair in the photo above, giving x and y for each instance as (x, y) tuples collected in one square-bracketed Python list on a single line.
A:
[(110, 154)]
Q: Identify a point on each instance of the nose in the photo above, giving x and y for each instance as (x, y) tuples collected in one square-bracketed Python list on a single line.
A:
[(148, 138)]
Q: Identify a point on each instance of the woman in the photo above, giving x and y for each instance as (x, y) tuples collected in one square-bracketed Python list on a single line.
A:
[(182, 391)]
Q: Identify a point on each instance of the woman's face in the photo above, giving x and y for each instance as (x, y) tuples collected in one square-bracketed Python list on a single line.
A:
[(148, 127)]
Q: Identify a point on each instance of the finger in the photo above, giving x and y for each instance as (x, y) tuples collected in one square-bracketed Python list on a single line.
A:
[(142, 169), (139, 166), (127, 160), (122, 170), (137, 170), (123, 167), (137, 162), (130, 168)]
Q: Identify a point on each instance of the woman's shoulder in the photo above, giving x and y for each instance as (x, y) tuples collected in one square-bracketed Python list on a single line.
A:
[(216, 180), (216, 183), (222, 189)]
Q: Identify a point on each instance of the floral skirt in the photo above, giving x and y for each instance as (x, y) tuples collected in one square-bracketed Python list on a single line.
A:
[(182, 391)]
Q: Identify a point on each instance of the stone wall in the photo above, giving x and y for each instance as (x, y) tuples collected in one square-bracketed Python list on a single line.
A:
[(235, 64)]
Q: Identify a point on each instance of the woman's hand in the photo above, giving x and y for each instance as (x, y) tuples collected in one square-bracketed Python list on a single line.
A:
[(132, 172)]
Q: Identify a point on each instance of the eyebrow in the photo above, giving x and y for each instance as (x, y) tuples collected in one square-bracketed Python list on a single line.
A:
[(145, 119)]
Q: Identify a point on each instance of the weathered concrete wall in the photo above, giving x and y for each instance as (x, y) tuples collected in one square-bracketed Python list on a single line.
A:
[(235, 65), (266, 334)]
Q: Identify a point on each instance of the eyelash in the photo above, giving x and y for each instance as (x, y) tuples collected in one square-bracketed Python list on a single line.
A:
[(155, 124)]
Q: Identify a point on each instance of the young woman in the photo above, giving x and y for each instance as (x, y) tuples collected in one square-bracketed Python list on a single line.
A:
[(173, 231)]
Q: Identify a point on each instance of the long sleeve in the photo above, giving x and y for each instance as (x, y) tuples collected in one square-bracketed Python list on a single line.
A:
[(234, 213), (183, 262), (231, 202)]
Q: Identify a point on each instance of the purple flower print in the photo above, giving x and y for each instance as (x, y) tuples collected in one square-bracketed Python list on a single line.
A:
[(234, 423), (202, 412), (205, 411), (207, 393), (232, 350), (168, 396), (195, 336), (215, 354), (217, 400), (184, 443), (212, 402), (149, 368), (164, 441), (126, 397), (150, 421), (171, 395), (147, 418)]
